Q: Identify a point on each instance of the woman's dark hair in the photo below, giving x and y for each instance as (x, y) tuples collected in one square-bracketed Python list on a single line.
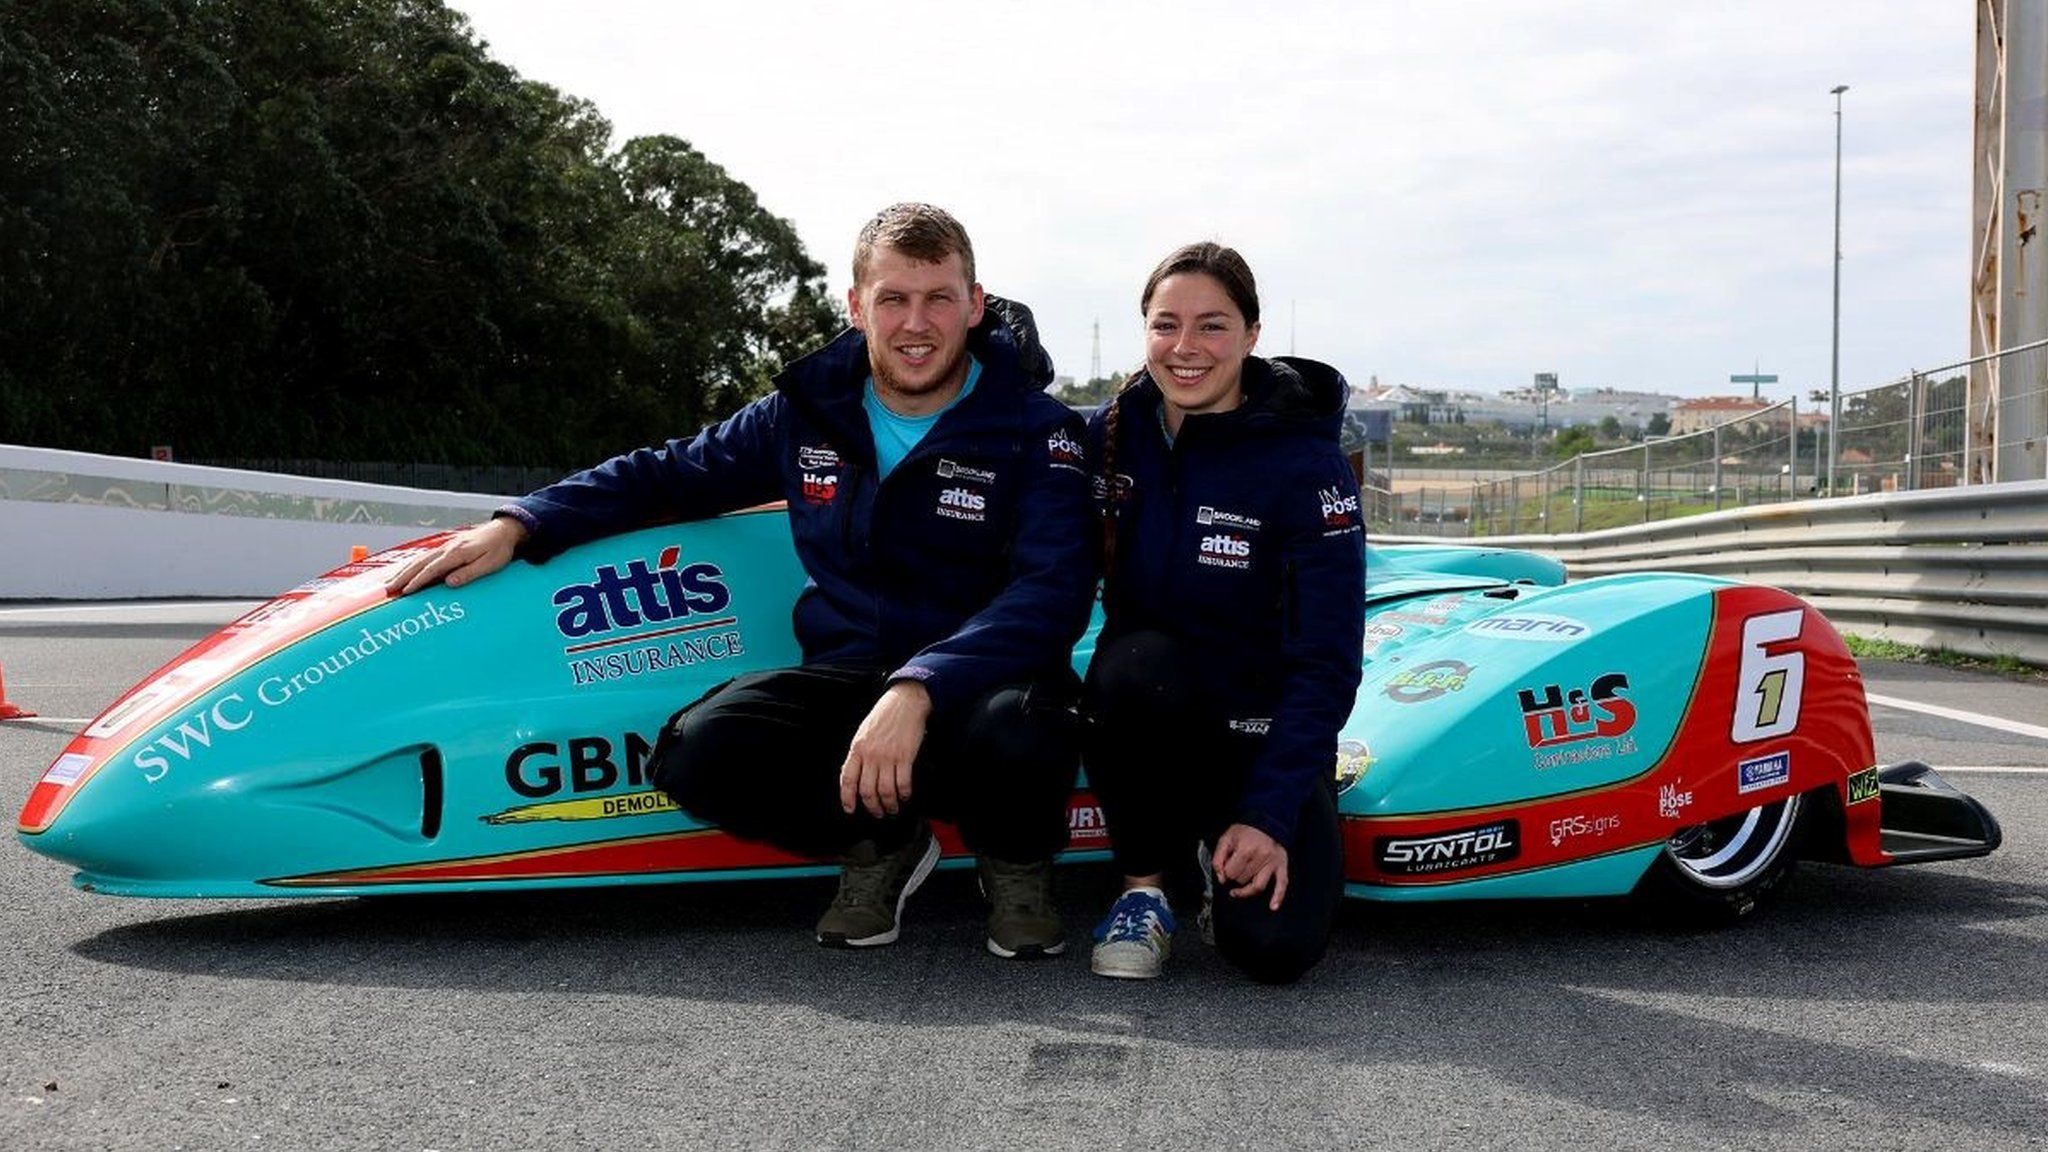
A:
[(1227, 268), (1213, 260)]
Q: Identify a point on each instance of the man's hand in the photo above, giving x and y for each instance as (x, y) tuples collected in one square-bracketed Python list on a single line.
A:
[(1250, 859), (472, 553), (876, 774)]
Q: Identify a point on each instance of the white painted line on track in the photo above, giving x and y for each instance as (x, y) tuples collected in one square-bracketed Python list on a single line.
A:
[(47, 720), (1977, 718), (1993, 769)]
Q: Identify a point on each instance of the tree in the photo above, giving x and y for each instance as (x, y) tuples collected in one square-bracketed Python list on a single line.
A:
[(1572, 442), (1659, 424), (337, 228), (1610, 428)]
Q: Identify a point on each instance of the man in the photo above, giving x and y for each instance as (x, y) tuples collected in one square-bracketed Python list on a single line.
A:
[(940, 508)]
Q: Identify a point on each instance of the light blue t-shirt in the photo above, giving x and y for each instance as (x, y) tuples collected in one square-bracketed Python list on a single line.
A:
[(896, 435)]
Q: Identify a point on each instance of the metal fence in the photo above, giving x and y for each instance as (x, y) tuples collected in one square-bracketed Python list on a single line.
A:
[(1914, 433), (1748, 461), (497, 480)]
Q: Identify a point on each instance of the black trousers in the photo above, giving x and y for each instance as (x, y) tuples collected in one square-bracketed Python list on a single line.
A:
[(760, 755), (1169, 769)]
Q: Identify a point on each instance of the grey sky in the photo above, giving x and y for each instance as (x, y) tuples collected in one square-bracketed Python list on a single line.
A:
[(1629, 194)]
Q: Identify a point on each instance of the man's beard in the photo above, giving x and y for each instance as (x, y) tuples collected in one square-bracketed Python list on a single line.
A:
[(887, 381)]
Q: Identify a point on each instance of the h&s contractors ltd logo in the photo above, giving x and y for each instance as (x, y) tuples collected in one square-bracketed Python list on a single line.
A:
[(647, 619), (1551, 715)]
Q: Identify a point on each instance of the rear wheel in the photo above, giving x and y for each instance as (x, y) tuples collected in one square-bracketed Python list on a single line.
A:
[(1716, 873)]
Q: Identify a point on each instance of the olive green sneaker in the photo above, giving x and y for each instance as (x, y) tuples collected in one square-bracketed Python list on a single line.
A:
[(1022, 922), (868, 911)]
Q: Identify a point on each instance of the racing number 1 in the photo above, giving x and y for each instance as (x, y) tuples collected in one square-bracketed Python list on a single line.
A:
[(1769, 684)]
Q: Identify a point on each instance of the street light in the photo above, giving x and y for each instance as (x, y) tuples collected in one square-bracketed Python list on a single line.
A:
[(1835, 359)]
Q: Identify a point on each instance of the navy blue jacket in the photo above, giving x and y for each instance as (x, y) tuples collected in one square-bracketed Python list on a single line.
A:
[(970, 567), (1244, 539)]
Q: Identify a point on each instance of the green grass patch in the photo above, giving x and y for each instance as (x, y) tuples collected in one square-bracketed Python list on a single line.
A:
[(1871, 648)]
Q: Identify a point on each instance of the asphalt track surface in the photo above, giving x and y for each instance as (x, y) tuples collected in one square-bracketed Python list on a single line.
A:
[(1865, 1010)]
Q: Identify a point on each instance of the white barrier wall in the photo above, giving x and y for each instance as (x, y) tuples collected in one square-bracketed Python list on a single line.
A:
[(76, 526)]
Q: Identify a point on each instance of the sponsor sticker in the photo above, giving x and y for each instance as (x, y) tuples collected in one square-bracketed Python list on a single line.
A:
[(1554, 715), (640, 803), (645, 620), (1354, 759), (1427, 681), (1576, 827), (1531, 626), (1340, 508), (67, 768), (1458, 850), (1863, 786), (1763, 772), (1378, 632), (1252, 725), (1671, 802), (1085, 822)]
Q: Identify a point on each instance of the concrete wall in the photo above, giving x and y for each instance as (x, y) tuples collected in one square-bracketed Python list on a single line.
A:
[(76, 526)]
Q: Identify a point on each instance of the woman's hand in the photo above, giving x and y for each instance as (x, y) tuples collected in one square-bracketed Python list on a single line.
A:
[(1250, 859)]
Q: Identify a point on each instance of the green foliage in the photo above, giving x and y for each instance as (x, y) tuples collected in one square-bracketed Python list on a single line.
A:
[(337, 228), (1094, 392), (1572, 442), (1659, 424)]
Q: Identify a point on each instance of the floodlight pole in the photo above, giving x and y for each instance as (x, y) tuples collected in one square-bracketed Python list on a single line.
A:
[(1835, 359)]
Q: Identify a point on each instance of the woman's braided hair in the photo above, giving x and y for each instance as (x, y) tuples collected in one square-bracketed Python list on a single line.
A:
[(1227, 268)]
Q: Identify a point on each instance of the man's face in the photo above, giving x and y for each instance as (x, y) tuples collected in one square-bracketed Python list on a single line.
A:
[(916, 316)]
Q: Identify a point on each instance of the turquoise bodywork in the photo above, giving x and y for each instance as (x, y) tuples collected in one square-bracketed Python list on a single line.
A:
[(513, 717)]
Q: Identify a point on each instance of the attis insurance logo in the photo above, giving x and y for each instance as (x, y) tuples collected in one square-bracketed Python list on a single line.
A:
[(1225, 550), (647, 619), (963, 504), (1552, 715)]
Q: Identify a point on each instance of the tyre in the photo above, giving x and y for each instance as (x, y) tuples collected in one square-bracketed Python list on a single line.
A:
[(1713, 874)]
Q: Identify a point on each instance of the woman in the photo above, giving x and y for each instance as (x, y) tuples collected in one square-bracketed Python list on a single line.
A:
[(1234, 599)]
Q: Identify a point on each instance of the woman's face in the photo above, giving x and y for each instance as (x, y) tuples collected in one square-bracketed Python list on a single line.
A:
[(1195, 344)]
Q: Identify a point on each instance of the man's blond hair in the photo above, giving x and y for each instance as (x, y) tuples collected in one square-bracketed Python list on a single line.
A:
[(919, 231)]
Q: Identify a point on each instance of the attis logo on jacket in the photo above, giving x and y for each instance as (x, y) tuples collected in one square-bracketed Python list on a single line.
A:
[(1225, 550), (963, 504), (1551, 715), (641, 595)]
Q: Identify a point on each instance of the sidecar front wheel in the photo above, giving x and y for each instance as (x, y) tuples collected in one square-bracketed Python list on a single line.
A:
[(1716, 873)]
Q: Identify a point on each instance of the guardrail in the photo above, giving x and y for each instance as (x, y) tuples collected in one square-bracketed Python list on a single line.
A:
[(1964, 569)]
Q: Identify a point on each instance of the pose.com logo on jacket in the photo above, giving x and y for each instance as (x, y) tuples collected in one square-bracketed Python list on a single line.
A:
[(640, 595)]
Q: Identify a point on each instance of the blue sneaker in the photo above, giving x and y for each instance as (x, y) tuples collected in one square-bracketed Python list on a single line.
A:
[(1132, 941)]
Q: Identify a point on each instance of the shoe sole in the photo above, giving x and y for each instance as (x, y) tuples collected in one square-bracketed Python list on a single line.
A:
[(925, 864), (1027, 952), (1117, 972)]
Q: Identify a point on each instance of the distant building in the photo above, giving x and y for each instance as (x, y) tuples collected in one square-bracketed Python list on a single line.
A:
[(1697, 415)]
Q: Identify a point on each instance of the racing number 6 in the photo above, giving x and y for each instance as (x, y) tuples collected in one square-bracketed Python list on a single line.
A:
[(1769, 684)]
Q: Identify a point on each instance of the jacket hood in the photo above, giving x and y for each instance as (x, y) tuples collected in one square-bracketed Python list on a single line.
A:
[(1283, 393)]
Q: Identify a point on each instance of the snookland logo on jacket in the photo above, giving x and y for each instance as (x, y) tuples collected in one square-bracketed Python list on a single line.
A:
[(646, 619), (818, 469)]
